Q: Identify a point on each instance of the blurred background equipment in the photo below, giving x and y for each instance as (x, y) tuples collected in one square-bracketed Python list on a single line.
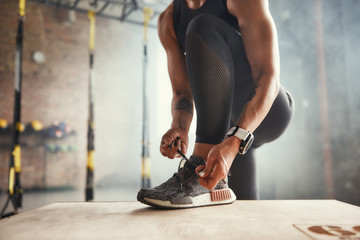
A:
[(145, 169), (129, 11), (34, 126), (58, 129), (3, 123), (324, 110), (89, 191), (15, 190)]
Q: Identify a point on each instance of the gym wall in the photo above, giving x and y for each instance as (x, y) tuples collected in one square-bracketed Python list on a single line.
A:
[(57, 90), (291, 167), (294, 165), (52, 91)]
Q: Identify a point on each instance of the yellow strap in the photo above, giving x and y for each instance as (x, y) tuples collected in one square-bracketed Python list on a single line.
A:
[(91, 15), (11, 180), (20, 126), (145, 168), (148, 12), (22, 7), (90, 160), (17, 158)]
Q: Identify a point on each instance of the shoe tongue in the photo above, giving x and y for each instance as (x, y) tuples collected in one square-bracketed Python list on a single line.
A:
[(190, 165), (197, 160), (188, 168)]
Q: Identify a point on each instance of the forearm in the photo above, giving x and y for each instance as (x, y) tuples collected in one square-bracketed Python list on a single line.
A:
[(182, 112), (259, 35), (254, 112)]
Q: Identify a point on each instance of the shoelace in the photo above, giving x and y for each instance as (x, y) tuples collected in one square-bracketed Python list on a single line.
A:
[(181, 167)]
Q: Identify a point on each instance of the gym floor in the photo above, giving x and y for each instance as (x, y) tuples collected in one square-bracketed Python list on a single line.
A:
[(252, 220), (33, 200)]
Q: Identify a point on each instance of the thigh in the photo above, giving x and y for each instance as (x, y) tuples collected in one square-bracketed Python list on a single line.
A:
[(276, 120)]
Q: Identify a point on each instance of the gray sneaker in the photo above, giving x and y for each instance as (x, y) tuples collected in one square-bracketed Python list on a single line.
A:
[(183, 189)]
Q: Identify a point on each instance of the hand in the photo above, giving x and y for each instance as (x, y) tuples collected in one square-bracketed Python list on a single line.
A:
[(174, 139), (218, 163)]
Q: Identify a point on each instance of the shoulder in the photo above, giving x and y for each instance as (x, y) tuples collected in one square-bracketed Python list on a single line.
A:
[(166, 24), (167, 14), (249, 10)]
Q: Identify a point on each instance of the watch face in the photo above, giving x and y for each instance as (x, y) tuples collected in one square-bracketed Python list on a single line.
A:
[(246, 144)]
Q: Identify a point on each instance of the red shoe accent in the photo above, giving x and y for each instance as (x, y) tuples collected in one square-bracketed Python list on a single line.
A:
[(220, 195)]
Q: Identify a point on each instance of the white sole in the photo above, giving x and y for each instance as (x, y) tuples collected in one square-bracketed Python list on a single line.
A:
[(198, 201)]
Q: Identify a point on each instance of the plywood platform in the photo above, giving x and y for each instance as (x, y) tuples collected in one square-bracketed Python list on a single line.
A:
[(278, 219)]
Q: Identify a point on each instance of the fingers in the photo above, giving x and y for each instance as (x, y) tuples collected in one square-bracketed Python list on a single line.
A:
[(164, 146), (173, 140), (168, 150), (173, 146), (213, 178), (208, 183), (212, 173), (183, 147), (169, 146), (167, 142), (208, 168), (199, 169)]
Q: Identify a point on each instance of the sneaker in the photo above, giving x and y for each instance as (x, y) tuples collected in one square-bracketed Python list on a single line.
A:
[(183, 189)]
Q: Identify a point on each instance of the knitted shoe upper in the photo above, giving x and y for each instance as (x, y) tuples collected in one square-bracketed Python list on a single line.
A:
[(183, 183)]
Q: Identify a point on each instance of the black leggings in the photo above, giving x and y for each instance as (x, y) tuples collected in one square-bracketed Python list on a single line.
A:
[(221, 84)]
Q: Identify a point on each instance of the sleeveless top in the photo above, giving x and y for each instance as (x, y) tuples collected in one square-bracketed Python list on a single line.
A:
[(182, 15)]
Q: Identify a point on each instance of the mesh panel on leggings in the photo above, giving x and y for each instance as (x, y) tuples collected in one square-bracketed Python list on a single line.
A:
[(211, 85)]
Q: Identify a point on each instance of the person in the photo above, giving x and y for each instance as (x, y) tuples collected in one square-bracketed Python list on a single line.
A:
[(223, 56)]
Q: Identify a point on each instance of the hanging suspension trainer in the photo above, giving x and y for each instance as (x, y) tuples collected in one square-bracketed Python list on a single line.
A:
[(15, 190), (145, 174), (145, 171), (89, 191)]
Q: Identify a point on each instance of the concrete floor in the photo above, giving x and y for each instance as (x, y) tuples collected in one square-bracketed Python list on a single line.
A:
[(33, 200)]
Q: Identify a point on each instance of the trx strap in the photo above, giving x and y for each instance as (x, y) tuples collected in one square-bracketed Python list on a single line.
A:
[(89, 191), (15, 191), (145, 170)]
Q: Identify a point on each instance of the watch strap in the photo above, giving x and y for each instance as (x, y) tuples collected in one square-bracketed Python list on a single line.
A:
[(246, 138), (238, 132)]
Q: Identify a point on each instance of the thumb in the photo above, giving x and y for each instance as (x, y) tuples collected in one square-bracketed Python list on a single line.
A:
[(208, 169), (183, 147), (199, 169)]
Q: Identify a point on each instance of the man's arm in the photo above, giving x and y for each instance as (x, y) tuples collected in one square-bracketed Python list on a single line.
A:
[(182, 103), (261, 47), (259, 35)]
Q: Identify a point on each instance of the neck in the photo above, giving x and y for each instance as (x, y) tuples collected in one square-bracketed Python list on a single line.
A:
[(194, 4)]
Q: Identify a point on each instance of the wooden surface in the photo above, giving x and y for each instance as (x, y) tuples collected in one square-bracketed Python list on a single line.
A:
[(273, 219)]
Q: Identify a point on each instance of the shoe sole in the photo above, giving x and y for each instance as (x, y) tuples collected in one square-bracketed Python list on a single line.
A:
[(217, 197)]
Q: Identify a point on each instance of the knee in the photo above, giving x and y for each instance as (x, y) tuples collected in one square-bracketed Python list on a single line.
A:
[(199, 29), (201, 24)]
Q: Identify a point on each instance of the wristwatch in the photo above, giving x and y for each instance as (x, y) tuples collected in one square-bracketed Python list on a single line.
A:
[(245, 137)]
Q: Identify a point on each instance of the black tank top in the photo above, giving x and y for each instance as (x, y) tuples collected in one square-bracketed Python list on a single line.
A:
[(183, 15)]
